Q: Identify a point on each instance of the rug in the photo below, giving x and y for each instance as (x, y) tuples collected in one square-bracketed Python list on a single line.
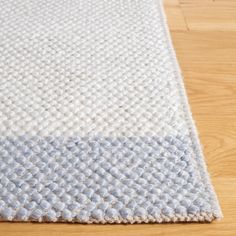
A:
[(95, 125)]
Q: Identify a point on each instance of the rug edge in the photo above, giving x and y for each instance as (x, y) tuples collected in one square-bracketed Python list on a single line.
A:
[(202, 167)]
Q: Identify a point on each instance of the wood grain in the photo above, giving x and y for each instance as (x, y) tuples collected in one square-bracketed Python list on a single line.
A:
[(204, 36), (210, 15)]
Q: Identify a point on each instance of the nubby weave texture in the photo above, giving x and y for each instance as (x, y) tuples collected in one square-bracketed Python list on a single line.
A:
[(95, 126)]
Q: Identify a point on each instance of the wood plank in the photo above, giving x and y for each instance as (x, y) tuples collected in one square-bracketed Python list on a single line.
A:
[(218, 141), (209, 69), (207, 52), (210, 14), (175, 15)]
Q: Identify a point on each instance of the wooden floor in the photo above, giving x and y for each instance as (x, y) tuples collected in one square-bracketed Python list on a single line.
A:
[(204, 36)]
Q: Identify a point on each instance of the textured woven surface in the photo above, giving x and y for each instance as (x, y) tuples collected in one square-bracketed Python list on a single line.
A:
[(94, 121)]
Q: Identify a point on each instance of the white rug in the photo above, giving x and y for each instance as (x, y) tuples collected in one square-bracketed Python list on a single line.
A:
[(95, 126)]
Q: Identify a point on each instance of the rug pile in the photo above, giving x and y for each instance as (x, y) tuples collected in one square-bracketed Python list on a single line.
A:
[(95, 126)]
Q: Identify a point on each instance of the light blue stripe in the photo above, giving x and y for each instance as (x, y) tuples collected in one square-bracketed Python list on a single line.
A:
[(84, 178)]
